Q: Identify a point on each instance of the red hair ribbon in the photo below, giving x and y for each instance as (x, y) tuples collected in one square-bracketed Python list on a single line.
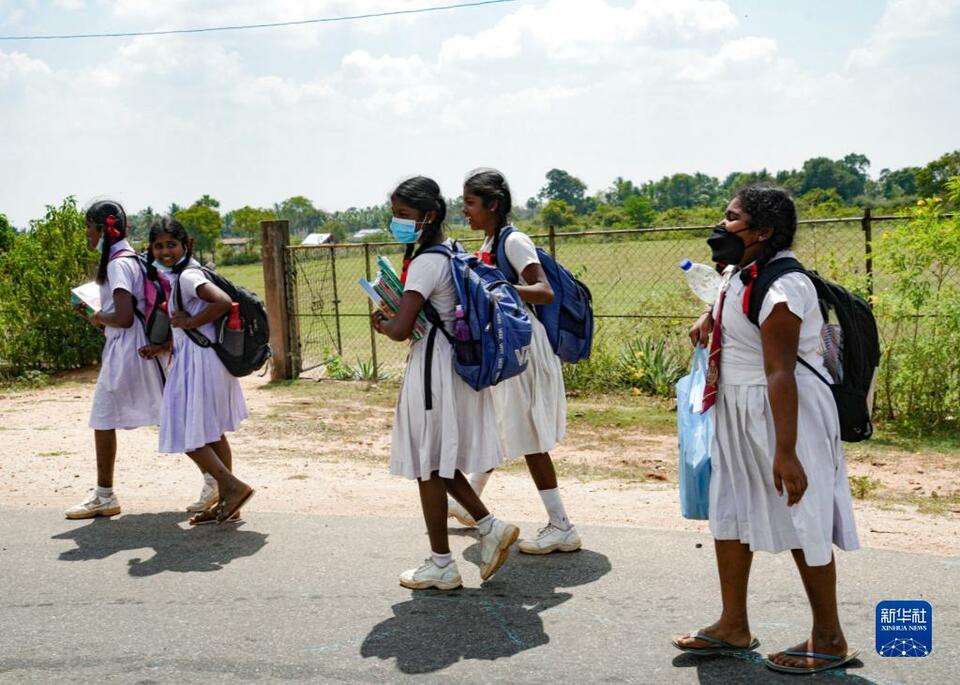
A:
[(754, 270), (403, 271), (111, 221), (485, 257)]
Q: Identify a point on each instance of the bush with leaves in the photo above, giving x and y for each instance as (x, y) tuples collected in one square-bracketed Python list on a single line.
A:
[(40, 329)]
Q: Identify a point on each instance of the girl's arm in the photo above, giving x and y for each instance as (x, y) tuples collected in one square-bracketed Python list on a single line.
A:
[(122, 316), (399, 326), (780, 335), (218, 304), (538, 291)]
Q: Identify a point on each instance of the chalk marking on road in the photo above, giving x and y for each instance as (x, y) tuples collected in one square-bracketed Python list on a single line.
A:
[(491, 609)]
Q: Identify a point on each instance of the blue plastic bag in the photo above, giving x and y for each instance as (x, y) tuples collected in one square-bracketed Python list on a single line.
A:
[(695, 434)]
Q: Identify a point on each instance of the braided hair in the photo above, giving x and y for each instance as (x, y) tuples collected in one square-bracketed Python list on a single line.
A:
[(175, 230), (423, 194), (110, 219), (770, 207), (491, 187)]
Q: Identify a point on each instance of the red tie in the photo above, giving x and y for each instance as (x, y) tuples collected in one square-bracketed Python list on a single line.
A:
[(713, 361)]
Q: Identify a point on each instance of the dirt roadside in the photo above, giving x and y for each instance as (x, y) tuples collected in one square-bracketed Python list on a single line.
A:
[(323, 449)]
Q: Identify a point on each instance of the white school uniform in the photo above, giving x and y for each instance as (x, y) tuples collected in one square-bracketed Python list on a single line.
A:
[(744, 504), (531, 407), (460, 432), (202, 400), (129, 388)]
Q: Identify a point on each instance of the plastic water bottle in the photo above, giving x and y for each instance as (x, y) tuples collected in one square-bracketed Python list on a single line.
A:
[(232, 335), (463, 345), (703, 280)]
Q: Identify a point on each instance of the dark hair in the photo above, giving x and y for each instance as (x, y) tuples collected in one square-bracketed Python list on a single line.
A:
[(491, 187), (173, 228), (110, 219), (423, 194), (770, 207)]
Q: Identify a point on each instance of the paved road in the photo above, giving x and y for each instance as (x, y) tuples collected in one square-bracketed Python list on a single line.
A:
[(297, 598)]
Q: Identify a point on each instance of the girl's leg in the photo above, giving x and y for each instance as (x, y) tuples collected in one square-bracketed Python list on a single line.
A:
[(542, 471), (224, 453), (433, 501), (495, 536), (232, 490), (461, 490), (105, 442), (820, 582), (733, 563), (545, 478)]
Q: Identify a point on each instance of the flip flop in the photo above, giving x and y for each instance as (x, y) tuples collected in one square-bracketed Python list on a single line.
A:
[(210, 516), (716, 646), (223, 515), (833, 661)]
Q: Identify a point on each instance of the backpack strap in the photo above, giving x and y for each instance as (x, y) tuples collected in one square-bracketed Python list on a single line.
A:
[(500, 252), (758, 282), (433, 316), (196, 336)]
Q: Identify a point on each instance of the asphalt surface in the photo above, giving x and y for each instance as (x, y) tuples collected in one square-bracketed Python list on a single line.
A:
[(144, 599)]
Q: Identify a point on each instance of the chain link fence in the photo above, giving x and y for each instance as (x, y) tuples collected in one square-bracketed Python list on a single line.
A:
[(633, 275)]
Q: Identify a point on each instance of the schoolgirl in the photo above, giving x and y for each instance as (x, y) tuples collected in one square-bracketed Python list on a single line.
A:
[(436, 446), (201, 400), (779, 474), (532, 407), (129, 387)]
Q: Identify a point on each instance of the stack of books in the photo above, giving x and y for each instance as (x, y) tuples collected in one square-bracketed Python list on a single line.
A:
[(385, 291)]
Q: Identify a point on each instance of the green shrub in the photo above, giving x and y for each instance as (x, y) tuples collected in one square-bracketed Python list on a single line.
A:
[(40, 329), (651, 366)]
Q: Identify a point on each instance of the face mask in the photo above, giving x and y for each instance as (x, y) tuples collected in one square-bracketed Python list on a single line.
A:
[(100, 244), (404, 230), (163, 268), (725, 246)]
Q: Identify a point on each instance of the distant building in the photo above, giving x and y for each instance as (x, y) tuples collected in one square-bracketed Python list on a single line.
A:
[(365, 233), (319, 239), (236, 244)]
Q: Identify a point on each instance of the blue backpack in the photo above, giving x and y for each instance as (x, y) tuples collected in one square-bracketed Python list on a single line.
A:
[(569, 318), (500, 330)]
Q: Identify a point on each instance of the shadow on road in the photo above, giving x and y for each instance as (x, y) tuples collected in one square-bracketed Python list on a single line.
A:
[(436, 629), (196, 549), (748, 667)]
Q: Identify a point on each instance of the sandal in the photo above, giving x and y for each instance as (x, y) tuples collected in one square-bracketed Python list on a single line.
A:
[(210, 516), (715, 647), (833, 661), (224, 514)]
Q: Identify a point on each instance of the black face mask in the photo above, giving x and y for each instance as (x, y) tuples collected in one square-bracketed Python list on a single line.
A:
[(725, 246)]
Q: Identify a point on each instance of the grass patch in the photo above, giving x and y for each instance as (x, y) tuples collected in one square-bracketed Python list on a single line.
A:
[(54, 453), (298, 476), (861, 486), (622, 411)]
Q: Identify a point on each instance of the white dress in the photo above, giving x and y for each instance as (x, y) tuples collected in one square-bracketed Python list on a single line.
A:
[(202, 400), (531, 407), (744, 504), (459, 433), (129, 388)]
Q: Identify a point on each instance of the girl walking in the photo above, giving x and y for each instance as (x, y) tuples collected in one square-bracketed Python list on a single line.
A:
[(532, 407), (779, 474), (129, 388), (201, 400), (437, 445)]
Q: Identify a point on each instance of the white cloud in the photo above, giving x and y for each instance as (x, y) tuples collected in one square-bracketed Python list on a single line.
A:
[(752, 51), (70, 4), (904, 22), (14, 65)]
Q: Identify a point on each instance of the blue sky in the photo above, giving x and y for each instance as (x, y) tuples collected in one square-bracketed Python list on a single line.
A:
[(340, 113)]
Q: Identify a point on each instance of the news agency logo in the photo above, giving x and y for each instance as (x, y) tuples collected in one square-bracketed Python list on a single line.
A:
[(904, 628)]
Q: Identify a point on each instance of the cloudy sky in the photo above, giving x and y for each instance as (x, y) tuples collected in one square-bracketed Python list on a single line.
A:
[(341, 112)]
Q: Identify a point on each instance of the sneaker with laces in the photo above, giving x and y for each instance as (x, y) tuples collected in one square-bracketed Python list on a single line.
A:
[(495, 547), (552, 539), (94, 506), (457, 511), (209, 496), (429, 575)]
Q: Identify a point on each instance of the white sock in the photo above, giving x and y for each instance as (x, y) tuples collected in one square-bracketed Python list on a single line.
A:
[(485, 525), (478, 481), (441, 560), (554, 505), (210, 480), (104, 493)]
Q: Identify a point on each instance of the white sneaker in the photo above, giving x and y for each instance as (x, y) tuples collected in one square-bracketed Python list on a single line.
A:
[(552, 539), (495, 547), (94, 506), (456, 510), (209, 496), (429, 575)]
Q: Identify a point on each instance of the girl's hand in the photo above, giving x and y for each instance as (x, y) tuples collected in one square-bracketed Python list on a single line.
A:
[(151, 351), (788, 474), (181, 320), (700, 333), (378, 317)]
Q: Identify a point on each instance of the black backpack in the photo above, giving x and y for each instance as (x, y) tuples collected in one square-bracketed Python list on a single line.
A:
[(244, 351), (857, 346)]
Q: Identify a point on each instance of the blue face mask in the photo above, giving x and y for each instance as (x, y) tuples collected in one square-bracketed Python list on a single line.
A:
[(164, 269), (99, 244), (404, 230)]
